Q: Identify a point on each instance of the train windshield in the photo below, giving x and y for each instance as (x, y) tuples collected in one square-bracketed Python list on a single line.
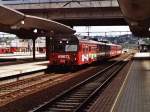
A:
[(65, 43), (65, 48), (71, 48), (59, 48)]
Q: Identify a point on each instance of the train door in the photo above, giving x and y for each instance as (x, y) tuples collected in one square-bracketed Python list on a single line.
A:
[(103, 50), (51, 47), (100, 52), (51, 50), (113, 50), (1, 52), (83, 54), (92, 53), (107, 51)]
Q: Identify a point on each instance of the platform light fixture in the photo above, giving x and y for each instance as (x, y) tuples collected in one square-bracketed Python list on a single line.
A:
[(22, 22), (60, 42), (51, 32), (14, 27), (35, 30), (133, 23)]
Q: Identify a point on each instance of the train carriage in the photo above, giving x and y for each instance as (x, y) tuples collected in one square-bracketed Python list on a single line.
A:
[(87, 52), (63, 50), (69, 50), (119, 50)]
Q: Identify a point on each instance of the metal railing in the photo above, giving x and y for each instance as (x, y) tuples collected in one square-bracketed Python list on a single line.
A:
[(42, 4), (9, 2)]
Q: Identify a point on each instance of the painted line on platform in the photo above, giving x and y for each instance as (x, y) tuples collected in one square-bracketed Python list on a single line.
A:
[(121, 90)]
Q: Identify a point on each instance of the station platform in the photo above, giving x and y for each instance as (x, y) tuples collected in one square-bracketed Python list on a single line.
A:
[(134, 95), (142, 55), (21, 55), (13, 70)]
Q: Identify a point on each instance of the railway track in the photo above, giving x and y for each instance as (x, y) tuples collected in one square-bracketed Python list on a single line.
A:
[(11, 91), (8, 92), (17, 89), (78, 97), (15, 61)]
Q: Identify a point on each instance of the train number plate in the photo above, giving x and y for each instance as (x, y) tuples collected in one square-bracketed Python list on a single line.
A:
[(62, 61), (63, 56)]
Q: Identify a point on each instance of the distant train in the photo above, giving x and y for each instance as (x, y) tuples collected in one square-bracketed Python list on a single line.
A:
[(144, 48), (5, 50), (69, 50), (9, 50)]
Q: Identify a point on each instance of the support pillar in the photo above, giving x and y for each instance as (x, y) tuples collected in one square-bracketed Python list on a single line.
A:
[(71, 26), (47, 47), (34, 57)]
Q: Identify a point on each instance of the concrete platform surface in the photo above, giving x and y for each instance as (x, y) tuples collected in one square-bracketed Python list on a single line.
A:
[(134, 95), (142, 55), (11, 70), (21, 55)]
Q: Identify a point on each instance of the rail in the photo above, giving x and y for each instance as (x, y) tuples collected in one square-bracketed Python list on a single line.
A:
[(76, 98), (22, 87)]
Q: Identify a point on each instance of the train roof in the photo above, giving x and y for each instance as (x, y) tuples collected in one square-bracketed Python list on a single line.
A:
[(112, 44), (90, 41), (97, 42), (81, 40)]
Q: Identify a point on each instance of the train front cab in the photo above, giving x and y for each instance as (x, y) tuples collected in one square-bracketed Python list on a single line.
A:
[(63, 51)]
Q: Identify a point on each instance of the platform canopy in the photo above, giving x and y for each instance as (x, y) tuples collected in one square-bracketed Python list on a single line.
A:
[(26, 26)]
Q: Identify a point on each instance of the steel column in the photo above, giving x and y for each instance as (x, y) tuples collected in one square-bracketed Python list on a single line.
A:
[(47, 47), (33, 39)]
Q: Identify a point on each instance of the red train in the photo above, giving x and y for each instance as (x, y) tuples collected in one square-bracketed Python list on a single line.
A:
[(69, 50), (4, 50), (9, 50)]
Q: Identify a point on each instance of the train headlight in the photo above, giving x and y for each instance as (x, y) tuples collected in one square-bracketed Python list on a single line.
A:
[(35, 30), (22, 22)]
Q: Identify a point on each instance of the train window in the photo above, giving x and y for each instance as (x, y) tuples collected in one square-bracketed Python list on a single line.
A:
[(90, 48), (59, 48), (103, 48), (85, 50), (70, 48), (93, 49), (80, 47)]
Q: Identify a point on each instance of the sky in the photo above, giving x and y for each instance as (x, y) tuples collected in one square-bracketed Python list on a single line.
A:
[(100, 30)]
